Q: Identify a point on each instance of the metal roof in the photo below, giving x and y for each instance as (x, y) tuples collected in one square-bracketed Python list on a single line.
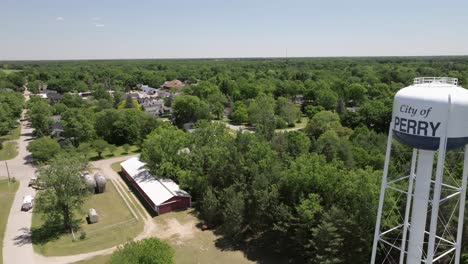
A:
[(158, 190)]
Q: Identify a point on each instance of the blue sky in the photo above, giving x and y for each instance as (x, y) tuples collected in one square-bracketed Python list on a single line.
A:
[(85, 29)]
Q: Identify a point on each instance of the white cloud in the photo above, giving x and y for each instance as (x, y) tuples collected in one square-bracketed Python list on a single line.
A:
[(96, 18), (99, 25), (59, 18)]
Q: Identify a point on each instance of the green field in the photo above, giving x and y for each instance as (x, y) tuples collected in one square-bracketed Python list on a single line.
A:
[(116, 166), (116, 225), (8, 151), (13, 135), (7, 194)]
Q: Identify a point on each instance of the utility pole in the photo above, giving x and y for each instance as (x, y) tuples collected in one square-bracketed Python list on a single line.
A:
[(8, 173)]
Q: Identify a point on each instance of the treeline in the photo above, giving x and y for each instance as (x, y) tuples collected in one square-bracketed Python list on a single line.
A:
[(311, 198), (11, 106), (358, 89)]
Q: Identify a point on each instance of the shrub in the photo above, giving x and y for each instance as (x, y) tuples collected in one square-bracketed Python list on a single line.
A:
[(148, 251)]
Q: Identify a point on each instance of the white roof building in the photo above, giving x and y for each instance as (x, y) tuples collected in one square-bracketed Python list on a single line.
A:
[(157, 190)]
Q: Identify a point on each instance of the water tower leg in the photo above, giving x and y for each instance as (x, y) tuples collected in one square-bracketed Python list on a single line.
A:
[(461, 211), (420, 204), (409, 196), (382, 194)]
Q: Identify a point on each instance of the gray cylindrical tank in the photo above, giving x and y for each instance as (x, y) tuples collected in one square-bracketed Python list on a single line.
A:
[(90, 183), (100, 182)]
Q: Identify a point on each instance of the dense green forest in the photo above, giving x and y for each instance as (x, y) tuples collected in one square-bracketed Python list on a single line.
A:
[(308, 195)]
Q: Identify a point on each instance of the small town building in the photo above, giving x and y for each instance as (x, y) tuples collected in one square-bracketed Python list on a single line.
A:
[(148, 90), (173, 84), (162, 195)]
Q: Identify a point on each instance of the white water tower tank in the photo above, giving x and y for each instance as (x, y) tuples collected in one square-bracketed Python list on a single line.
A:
[(420, 110), (430, 115)]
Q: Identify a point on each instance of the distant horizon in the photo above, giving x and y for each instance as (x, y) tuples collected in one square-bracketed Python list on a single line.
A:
[(241, 58)]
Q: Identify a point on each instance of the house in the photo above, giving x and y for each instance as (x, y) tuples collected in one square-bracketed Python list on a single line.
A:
[(162, 195), (152, 106), (148, 90), (56, 126), (178, 85), (53, 97), (42, 88)]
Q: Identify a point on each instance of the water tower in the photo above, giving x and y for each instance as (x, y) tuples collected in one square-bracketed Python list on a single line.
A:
[(430, 117)]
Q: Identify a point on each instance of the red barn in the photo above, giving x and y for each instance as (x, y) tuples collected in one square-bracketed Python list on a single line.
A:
[(163, 195)]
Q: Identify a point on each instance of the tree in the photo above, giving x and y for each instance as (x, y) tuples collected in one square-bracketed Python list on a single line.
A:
[(129, 102), (327, 242), (262, 115), (322, 122), (40, 113), (78, 125), (356, 92), (288, 111), (326, 98), (239, 113), (11, 106), (233, 213), (146, 251), (126, 148), (100, 145), (210, 207), (189, 108), (43, 149), (160, 149), (72, 100), (64, 189)]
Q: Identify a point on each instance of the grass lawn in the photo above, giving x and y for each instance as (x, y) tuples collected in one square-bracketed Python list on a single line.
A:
[(8, 151), (13, 135), (192, 245), (116, 225), (116, 166), (303, 123), (119, 151), (7, 194), (96, 260)]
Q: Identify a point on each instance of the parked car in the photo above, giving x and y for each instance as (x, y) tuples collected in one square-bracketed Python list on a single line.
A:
[(27, 203), (32, 181)]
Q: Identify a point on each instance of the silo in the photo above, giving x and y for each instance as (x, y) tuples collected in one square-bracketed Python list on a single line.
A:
[(430, 116), (90, 183), (100, 182)]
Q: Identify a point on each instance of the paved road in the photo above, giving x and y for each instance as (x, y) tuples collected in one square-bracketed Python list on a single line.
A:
[(17, 247)]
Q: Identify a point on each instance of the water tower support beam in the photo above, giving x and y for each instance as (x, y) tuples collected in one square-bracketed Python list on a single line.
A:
[(437, 187), (382, 193), (408, 204), (420, 203), (461, 211)]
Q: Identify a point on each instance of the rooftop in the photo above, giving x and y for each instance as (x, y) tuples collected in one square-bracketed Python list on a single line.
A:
[(158, 190)]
